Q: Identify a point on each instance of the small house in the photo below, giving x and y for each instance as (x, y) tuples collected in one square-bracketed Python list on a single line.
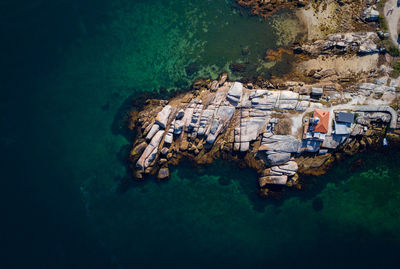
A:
[(322, 119), (343, 122), (345, 118)]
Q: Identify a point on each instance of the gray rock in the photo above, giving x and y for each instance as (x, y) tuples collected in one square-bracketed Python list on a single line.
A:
[(150, 152), (163, 116), (154, 129), (288, 95), (250, 128), (187, 118), (370, 14), (258, 94), (366, 86), (281, 143), (244, 146), (233, 100), (368, 47), (290, 166), (236, 90), (302, 105), (151, 157), (332, 141), (277, 169), (381, 81), (235, 93), (180, 114), (211, 138), (278, 158), (287, 104), (178, 128), (205, 119), (164, 151), (169, 138), (395, 82), (220, 122)]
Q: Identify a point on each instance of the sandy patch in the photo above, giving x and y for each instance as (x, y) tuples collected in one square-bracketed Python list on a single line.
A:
[(321, 20), (341, 64)]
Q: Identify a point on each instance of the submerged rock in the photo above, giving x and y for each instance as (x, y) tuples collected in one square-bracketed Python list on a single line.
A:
[(163, 173), (272, 180)]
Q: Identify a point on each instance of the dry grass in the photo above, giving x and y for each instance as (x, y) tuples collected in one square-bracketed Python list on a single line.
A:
[(284, 127)]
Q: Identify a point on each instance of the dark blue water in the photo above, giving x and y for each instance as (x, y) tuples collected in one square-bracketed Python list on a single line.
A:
[(68, 68)]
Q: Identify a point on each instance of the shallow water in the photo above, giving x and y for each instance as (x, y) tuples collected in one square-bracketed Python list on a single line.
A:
[(68, 68)]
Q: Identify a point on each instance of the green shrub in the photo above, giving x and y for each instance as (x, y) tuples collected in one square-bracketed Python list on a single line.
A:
[(382, 23), (393, 51), (396, 69)]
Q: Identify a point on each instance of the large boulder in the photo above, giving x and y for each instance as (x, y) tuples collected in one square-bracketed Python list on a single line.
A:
[(280, 143), (180, 114), (178, 128), (290, 168), (368, 47), (154, 129), (250, 128), (150, 152), (163, 116), (370, 14), (272, 180), (235, 93), (277, 158)]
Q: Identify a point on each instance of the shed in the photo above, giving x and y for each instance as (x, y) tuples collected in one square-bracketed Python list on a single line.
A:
[(316, 92), (345, 117)]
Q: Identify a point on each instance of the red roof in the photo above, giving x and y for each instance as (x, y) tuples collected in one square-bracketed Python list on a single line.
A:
[(323, 124)]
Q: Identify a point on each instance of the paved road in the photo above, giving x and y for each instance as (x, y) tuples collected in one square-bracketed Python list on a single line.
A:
[(392, 19)]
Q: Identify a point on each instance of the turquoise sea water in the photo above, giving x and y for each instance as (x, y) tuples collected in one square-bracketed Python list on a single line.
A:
[(68, 68)]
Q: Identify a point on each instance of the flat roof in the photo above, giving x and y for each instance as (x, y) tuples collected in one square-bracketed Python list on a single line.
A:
[(345, 117)]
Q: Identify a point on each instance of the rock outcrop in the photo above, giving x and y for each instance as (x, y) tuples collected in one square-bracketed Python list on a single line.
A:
[(362, 43), (239, 123), (270, 125), (370, 14)]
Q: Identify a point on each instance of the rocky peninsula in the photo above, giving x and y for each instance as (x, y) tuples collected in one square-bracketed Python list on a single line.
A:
[(341, 98)]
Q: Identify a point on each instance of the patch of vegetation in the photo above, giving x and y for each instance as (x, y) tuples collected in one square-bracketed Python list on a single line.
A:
[(325, 103), (396, 69), (283, 127), (381, 4), (393, 51), (395, 106), (382, 23)]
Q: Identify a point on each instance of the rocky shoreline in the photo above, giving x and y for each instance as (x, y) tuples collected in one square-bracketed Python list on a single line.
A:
[(282, 127)]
